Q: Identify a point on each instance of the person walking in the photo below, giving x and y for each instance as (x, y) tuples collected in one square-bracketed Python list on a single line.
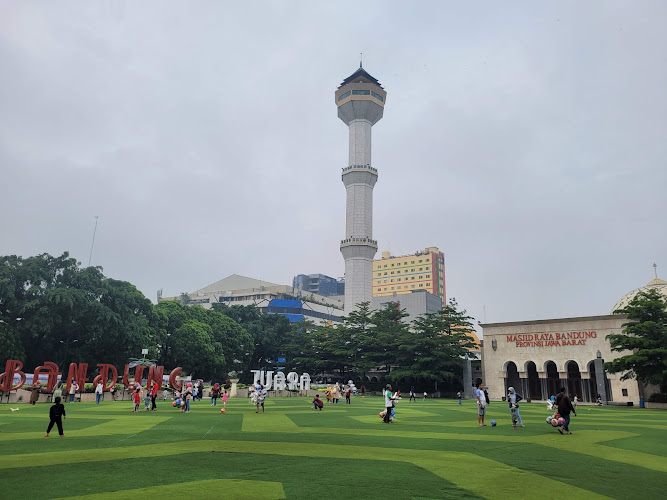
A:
[(412, 394), (34, 392), (513, 399), (56, 414), (388, 404), (336, 393), (481, 405), (458, 396), (565, 408), (98, 392), (348, 395)]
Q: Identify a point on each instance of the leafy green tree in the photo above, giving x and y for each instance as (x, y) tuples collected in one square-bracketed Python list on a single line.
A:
[(271, 334), (234, 341), (645, 337), (436, 345), (195, 349), (64, 313)]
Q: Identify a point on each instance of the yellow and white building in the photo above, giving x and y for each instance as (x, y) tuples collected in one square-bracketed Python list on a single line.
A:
[(423, 270)]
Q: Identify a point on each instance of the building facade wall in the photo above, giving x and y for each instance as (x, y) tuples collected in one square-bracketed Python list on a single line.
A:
[(424, 270), (552, 353)]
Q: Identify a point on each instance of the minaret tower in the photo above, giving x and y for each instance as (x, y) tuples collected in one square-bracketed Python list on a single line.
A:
[(360, 100)]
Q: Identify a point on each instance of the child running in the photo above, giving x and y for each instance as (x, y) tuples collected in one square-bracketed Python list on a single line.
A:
[(56, 414), (224, 399), (137, 400)]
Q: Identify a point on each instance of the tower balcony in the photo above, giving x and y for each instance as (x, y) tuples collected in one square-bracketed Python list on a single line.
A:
[(359, 174)]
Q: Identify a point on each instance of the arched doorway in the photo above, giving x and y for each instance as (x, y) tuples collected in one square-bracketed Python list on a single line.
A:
[(573, 380), (553, 382), (512, 376), (533, 381)]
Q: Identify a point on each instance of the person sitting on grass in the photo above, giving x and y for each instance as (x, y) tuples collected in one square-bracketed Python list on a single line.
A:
[(318, 404), (56, 414)]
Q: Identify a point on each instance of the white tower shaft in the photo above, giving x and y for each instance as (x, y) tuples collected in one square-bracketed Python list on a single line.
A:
[(360, 101)]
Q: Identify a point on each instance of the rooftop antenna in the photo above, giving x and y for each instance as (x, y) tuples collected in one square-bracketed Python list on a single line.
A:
[(655, 269), (361, 59), (90, 257)]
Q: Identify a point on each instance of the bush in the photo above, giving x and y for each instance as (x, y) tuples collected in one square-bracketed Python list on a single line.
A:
[(657, 398)]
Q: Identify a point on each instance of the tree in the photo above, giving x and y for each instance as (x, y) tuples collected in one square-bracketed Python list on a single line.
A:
[(61, 312), (645, 336), (436, 345), (234, 343), (195, 349)]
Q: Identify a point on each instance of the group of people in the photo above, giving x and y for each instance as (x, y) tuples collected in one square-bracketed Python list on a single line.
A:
[(258, 395), (560, 401), (333, 394)]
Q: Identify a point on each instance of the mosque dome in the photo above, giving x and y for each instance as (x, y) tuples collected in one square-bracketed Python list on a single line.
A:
[(654, 284)]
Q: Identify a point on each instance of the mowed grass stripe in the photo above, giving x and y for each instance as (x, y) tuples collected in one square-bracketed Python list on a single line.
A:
[(498, 481), (231, 489)]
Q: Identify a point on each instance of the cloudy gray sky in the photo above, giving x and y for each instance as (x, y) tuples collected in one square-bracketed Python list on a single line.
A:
[(527, 141)]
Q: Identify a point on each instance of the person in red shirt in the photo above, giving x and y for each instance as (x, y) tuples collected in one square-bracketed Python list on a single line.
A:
[(317, 402), (137, 400), (154, 391)]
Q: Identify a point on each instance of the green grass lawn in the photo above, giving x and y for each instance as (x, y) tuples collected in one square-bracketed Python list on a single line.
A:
[(434, 449)]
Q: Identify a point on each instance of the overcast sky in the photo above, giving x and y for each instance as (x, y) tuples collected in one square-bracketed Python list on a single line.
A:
[(527, 141)]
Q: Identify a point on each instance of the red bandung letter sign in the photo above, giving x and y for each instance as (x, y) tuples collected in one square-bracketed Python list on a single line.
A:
[(104, 376), (155, 374), (173, 378), (79, 374), (50, 369), (13, 367)]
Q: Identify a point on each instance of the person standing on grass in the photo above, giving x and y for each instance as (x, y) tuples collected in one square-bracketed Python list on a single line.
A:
[(225, 396), (412, 394), (458, 396), (58, 392), (481, 405), (348, 395), (72, 390), (98, 392), (261, 396), (388, 404), (565, 408), (136, 398), (56, 414), (154, 390), (215, 392), (201, 390), (513, 399), (34, 392), (363, 391)]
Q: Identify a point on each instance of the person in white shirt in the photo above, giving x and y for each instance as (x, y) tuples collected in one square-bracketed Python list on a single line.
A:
[(98, 392), (481, 405), (388, 404)]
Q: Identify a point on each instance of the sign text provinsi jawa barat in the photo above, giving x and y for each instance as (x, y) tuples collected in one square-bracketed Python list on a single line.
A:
[(551, 339)]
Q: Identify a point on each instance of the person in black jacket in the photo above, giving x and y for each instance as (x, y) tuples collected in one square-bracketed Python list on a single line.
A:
[(565, 408), (56, 414)]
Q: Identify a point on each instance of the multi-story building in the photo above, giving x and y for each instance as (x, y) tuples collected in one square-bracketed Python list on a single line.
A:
[(270, 298), (320, 284), (423, 270)]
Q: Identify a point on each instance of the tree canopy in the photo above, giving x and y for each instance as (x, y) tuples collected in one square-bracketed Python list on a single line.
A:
[(645, 336)]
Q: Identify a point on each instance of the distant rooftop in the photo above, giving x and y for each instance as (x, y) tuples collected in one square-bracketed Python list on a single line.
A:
[(360, 76)]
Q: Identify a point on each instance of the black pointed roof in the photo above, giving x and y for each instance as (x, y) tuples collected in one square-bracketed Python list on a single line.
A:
[(361, 75)]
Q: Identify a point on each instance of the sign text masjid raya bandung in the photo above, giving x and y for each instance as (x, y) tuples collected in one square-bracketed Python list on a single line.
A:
[(551, 339)]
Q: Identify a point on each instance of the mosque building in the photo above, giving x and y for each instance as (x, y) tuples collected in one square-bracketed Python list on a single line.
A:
[(538, 357)]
